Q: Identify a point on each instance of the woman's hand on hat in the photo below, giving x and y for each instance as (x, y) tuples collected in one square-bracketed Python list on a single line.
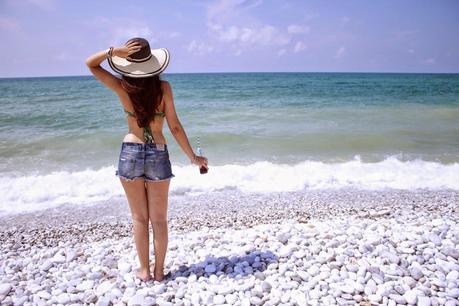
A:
[(127, 49)]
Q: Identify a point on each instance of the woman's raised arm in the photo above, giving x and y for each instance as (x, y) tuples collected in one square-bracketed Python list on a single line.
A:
[(93, 62)]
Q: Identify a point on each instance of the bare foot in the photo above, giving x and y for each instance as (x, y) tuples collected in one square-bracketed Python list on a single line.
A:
[(152, 268), (155, 276), (143, 275)]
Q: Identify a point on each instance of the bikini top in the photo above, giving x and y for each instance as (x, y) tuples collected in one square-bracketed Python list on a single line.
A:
[(161, 114), (147, 135)]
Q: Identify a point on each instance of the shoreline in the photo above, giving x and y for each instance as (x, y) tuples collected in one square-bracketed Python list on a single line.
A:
[(225, 209), (245, 243)]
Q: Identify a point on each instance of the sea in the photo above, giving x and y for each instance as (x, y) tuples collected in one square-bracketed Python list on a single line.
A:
[(60, 137)]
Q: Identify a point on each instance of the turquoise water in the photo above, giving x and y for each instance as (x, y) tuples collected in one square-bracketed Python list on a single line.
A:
[(249, 124), (72, 122)]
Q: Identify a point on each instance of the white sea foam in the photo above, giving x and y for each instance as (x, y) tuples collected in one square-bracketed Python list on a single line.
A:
[(29, 193)]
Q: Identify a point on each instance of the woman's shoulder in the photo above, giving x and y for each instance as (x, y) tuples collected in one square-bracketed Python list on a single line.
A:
[(165, 84), (166, 87)]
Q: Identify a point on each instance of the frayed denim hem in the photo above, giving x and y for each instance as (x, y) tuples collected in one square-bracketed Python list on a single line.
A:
[(160, 180), (144, 178), (130, 179)]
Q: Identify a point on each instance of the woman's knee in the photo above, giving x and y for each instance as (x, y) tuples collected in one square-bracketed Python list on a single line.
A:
[(158, 219), (140, 219)]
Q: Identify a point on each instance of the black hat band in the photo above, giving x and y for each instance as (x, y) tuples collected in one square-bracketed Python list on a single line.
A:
[(139, 60)]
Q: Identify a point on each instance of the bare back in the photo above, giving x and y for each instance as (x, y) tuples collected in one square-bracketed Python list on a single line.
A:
[(136, 133)]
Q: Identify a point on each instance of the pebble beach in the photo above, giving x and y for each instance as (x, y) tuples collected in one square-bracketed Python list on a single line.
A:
[(324, 189), (326, 247)]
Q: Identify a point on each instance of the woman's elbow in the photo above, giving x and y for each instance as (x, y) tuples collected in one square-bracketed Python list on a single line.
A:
[(89, 62), (175, 129)]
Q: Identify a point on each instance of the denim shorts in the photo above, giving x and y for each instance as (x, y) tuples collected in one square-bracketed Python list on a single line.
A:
[(148, 161)]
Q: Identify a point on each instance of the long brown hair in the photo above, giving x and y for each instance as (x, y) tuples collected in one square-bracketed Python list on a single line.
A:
[(146, 95)]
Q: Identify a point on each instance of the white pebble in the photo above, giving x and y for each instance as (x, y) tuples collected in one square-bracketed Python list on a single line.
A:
[(416, 273), (313, 270), (219, 299), (104, 287), (137, 299), (103, 301), (399, 299), (63, 298), (452, 276), (71, 255), (124, 267), (423, 301), (410, 297), (454, 293), (85, 285), (89, 297), (5, 288), (47, 264)]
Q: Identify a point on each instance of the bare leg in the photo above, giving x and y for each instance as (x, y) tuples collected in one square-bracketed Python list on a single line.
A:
[(157, 193), (137, 199)]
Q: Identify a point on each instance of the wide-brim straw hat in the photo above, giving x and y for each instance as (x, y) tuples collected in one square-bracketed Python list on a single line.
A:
[(143, 63)]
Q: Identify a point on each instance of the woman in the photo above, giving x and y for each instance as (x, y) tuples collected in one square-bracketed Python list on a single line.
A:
[(144, 168)]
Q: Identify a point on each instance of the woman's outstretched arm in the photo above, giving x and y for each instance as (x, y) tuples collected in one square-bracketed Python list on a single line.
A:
[(93, 62), (177, 129)]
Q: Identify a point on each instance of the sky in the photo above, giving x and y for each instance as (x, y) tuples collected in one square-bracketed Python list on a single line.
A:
[(54, 38)]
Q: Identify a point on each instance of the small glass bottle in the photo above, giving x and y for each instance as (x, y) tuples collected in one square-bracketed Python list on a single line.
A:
[(202, 169)]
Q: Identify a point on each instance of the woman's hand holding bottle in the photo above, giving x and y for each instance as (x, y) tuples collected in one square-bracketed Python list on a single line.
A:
[(201, 161)]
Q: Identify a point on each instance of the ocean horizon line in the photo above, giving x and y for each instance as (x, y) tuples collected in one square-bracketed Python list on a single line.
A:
[(249, 72)]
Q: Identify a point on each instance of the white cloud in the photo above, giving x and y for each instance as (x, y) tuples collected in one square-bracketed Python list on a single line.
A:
[(405, 34), (311, 16), (10, 27), (123, 33), (230, 22), (178, 15), (229, 34), (225, 10), (174, 34), (430, 60), (8, 24), (192, 46), (199, 47), (46, 5), (249, 3), (299, 46), (340, 52), (65, 57), (119, 30), (297, 29), (264, 35)]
